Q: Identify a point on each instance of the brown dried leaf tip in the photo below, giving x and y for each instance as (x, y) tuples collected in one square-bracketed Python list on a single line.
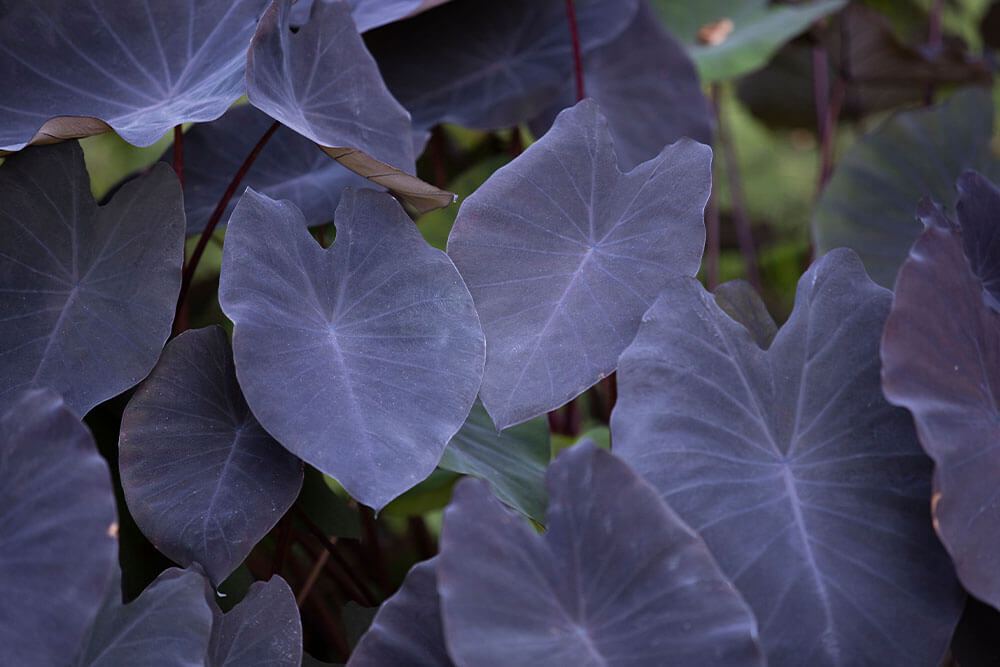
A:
[(715, 33)]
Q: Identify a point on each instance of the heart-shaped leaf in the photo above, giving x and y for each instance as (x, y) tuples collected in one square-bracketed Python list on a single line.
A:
[(513, 462), (87, 293), (809, 488), (351, 114), (563, 253), (363, 359), (171, 615), (516, 57), (58, 528), (941, 360), (617, 579), (407, 628), (201, 477), (868, 203), (263, 629), (139, 67)]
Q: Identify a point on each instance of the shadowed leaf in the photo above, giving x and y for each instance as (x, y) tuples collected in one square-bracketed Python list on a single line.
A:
[(263, 629)]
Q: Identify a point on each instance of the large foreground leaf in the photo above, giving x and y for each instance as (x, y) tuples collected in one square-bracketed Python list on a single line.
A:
[(941, 360), (139, 67), (263, 629), (869, 202), (58, 529), (618, 579), (87, 294), (809, 488), (407, 628), (563, 253), (323, 83), (201, 477), (363, 359)]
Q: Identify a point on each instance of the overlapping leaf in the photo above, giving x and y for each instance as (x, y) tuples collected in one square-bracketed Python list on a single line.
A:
[(941, 360), (978, 211), (369, 14), (139, 67), (57, 526), (407, 628), (618, 579), (513, 462), (170, 617), (563, 253), (809, 488), (868, 203), (289, 167), (363, 359), (263, 629), (323, 83), (87, 294), (516, 57), (201, 477)]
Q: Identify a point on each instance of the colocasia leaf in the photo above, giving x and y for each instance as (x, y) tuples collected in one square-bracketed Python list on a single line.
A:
[(978, 212), (323, 83), (563, 253), (407, 628), (58, 531), (264, 629), (618, 579), (810, 489), (139, 67), (368, 14), (87, 294), (868, 203), (941, 360), (201, 477), (364, 358)]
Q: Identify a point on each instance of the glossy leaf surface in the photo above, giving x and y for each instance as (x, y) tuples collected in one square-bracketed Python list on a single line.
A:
[(563, 253), (869, 202), (407, 628), (170, 618), (58, 526), (364, 358), (201, 477), (513, 462), (809, 488), (87, 293), (263, 629), (140, 67), (941, 360), (322, 83), (617, 579)]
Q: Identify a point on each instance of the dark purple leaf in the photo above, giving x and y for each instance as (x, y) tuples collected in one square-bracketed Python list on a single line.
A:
[(647, 87), (563, 253), (323, 83), (369, 14), (364, 358), (170, 619), (809, 488), (513, 462), (487, 64), (618, 579), (868, 203), (263, 629), (87, 293), (140, 67), (58, 528), (941, 360), (289, 167), (407, 628), (201, 477), (978, 212), (739, 300)]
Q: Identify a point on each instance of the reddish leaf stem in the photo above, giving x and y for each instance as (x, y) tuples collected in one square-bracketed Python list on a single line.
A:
[(577, 57), (192, 263), (342, 572), (179, 153)]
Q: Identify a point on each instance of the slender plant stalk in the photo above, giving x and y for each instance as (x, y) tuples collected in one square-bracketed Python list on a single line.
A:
[(192, 263), (311, 579), (574, 33), (284, 542), (179, 153), (351, 582), (934, 41), (371, 544)]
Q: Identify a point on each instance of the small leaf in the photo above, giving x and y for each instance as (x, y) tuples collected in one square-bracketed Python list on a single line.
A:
[(364, 358), (617, 579), (87, 293), (563, 253), (58, 531), (263, 629), (201, 477)]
